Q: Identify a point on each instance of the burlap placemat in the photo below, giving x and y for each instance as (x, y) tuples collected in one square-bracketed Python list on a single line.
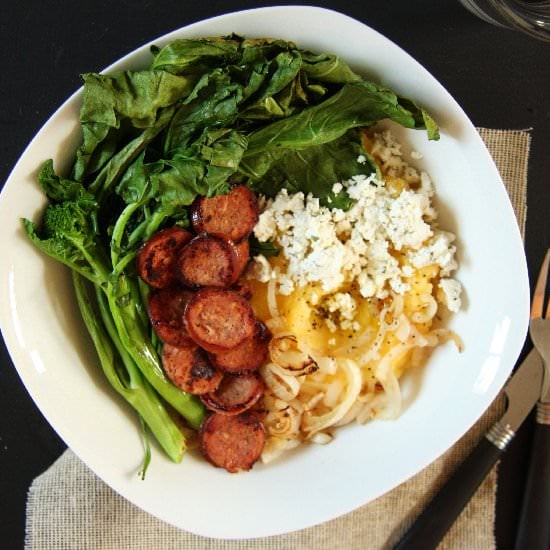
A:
[(70, 508)]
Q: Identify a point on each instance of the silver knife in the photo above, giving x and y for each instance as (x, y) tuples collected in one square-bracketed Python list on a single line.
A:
[(522, 391)]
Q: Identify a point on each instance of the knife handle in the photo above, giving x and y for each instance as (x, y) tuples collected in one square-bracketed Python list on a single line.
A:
[(534, 523), (445, 507)]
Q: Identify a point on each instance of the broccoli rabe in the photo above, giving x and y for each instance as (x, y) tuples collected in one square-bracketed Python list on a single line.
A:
[(113, 313)]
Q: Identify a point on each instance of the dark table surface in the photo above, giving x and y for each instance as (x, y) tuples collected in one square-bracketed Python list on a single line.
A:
[(500, 77)]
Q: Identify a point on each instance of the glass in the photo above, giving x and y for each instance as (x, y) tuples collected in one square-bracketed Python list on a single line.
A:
[(529, 16)]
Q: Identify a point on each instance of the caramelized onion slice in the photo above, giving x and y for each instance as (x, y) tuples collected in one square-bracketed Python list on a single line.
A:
[(312, 424), (285, 353)]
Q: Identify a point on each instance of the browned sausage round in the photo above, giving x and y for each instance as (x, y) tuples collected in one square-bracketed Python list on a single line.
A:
[(232, 442), (241, 251), (231, 216), (156, 257), (247, 356), (166, 308), (219, 319), (189, 369), (242, 288), (235, 394), (207, 261)]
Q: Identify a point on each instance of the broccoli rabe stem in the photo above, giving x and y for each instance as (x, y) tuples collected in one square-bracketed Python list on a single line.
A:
[(121, 294), (118, 233), (126, 378)]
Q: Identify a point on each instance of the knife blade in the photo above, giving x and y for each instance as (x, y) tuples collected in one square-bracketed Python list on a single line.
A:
[(522, 392)]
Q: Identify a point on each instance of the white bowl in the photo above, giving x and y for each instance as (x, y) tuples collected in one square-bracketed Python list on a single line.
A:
[(49, 346)]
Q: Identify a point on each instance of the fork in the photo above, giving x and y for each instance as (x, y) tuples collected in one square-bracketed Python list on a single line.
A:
[(539, 330), (534, 524)]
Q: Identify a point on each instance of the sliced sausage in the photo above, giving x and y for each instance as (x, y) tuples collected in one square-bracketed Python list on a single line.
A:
[(210, 261), (242, 288), (155, 261), (219, 319), (189, 369), (241, 255), (235, 394), (166, 308), (247, 356), (207, 261), (231, 216), (232, 442)]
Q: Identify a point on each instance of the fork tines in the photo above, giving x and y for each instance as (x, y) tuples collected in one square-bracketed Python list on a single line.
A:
[(540, 290)]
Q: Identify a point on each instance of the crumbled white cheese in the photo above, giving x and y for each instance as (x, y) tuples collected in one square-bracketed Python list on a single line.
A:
[(344, 304), (406, 225), (336, 247), (337, 187), (451, 293), (260, 269), (332, 249), (439, 250), (306, 234), (387, 149), (266, 225)]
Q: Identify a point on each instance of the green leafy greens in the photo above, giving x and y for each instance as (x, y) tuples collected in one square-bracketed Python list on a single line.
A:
[(207, 113)]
